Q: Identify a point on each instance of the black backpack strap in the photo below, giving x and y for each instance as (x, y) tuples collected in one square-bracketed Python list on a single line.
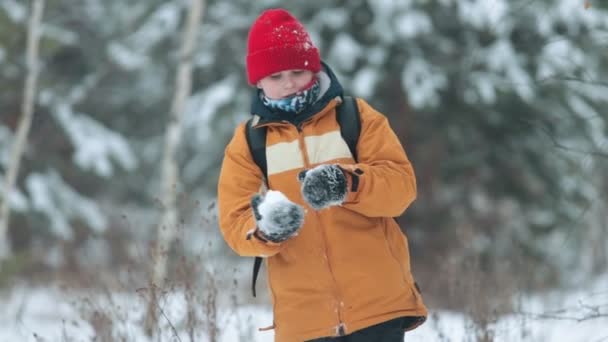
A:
[(256, 269), (347, 115), (256, 139)]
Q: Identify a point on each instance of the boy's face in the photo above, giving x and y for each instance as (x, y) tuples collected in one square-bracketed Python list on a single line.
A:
[(285, 83)]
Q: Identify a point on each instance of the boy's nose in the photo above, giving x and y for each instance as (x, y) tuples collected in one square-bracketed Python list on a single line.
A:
[(288, 83)]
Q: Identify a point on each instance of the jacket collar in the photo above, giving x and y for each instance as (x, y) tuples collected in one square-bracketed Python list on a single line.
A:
[(267, 115)]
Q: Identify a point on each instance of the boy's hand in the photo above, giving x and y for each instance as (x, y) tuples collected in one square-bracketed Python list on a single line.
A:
[(278, 219), (323, 186)]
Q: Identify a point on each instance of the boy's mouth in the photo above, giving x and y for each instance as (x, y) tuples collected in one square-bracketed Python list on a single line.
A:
[(308, 86), (291, 95)]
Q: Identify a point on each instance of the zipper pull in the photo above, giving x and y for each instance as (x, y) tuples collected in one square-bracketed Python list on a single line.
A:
[(341, 329)]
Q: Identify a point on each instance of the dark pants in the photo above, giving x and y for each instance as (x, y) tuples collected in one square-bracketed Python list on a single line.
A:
[(389, 331)]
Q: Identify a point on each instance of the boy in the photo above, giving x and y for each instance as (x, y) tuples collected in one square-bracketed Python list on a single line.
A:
[(337, 262)]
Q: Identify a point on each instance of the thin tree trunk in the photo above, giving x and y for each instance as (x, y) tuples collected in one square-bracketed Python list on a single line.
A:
[(167, 228), (27, 112)]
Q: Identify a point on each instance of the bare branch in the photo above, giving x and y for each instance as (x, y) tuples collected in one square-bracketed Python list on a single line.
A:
[(561, 146), (167, 226), (27, 112), (586, 312), (566, 317), (153, 290)]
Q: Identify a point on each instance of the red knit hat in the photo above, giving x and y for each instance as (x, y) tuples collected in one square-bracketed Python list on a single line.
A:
[(278, 41)]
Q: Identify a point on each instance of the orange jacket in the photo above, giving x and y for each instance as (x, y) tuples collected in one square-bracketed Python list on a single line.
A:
[(348, 268)]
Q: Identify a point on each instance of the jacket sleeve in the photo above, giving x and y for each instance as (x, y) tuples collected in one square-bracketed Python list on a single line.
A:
[(239, 180), (382, 183)]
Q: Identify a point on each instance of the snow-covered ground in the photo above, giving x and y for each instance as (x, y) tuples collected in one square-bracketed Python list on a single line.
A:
[(52, 314)]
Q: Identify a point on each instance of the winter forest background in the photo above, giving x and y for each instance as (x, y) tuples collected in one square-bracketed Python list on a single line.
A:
[(500, 104)]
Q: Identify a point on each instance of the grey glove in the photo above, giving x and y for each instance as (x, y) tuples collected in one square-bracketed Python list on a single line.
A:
[(278, 219), (323, 186)]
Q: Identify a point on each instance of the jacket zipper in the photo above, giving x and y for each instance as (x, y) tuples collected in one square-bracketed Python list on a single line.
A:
[(340, 331)]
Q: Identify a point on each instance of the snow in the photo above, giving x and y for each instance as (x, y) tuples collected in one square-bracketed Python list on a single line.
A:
[(502, 59), (573, 14), (275, 202), (559, 58), (381, 27), (58, 315), (59, 34), (592, 118), (17, 200), (95, 145), (128, 59), (483, 91), (202, 107), (6, 137), (413, 23), (364, 82), (390, 6), (163, 22), (484, 13), (54, 314), (423, 83), (272, 198), (334, 18), (376, 56), (51, 196), (132, 52), (94, 9), (15, 10), (345, 51)]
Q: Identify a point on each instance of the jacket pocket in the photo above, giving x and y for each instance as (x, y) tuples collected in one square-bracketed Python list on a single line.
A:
[(397, 245), (393, 252)]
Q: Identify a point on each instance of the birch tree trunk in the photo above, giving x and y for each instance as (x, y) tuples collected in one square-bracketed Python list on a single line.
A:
[(167, 228), (27, 112)]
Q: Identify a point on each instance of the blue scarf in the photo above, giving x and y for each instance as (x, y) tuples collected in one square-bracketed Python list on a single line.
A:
[(295, 103)]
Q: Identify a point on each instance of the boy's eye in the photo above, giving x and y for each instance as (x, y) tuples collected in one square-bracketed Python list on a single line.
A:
[(297, 72), (275, 76)]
